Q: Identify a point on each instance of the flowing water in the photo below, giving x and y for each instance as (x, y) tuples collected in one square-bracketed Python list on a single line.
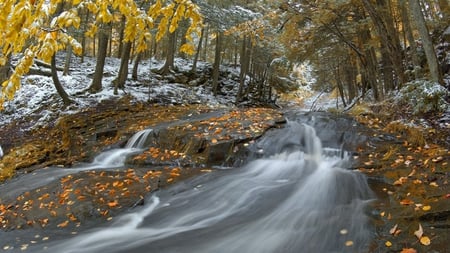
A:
[(293, 198), (114, 158)]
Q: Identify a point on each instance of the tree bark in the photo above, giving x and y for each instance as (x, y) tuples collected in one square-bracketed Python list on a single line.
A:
[(170, 54), (428, 47), (409, 37), (134, 74), (67, 60), (245, 64), (387, 33), (119, 82), (96, 84), (59, 88), (216, 66), (197, 53)]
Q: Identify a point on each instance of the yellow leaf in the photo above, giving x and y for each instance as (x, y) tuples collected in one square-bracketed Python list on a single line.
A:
[(424, 240), (426, 208), (388, 244), (349, 243)]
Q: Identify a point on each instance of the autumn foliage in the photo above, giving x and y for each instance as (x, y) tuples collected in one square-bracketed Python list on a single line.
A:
[(31, 29)]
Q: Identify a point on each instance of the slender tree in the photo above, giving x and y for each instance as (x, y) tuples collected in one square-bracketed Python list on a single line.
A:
[(428, 47)]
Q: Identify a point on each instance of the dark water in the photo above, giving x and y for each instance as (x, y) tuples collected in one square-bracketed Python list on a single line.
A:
[(296, 197)]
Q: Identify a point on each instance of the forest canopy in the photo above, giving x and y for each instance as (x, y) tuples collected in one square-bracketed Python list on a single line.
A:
[(359, 48)]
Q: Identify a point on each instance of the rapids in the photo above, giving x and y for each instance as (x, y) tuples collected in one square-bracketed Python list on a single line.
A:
[(294, 197)]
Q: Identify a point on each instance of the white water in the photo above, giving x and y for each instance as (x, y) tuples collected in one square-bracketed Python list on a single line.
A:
[(114, 158), (294, 201)]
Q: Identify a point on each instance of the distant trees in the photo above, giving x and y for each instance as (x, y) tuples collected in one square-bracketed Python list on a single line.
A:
[(366, 45)]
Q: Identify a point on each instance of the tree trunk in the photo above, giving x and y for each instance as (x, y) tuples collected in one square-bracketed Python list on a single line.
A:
[(67, 60), (432, 60), (197, 53), (386, 31), (134, 75), (59, 88), (216, 66), (96, 84), (119, 82), (170, 54), (245, 64), (83, 38), (5, 70), (410, 38), (205, 46)]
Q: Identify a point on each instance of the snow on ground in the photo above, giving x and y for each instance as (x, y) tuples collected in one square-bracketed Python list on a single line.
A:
[(38, 99)]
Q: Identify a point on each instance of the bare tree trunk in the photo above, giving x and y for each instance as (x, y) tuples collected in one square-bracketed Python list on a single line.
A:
[(59, 88), (245, 64), (216, 67), (67, 60), (83, 38), (197, 53), (170, 54), (96, 84), (387, 33), (432, 60), (119, 82), (134, 74), (409, 36), (205, 47)]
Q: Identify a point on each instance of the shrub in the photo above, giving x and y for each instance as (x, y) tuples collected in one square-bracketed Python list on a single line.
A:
[(423, 97)]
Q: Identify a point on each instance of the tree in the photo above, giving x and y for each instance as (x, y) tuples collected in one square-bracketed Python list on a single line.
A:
[(428, 47), (45, 30)]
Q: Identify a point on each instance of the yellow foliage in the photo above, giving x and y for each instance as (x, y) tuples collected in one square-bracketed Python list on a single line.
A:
[(32, 29)]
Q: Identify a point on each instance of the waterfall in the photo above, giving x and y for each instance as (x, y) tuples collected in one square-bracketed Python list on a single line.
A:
[(116, 157), (293, 199), (138, 139), (113, 158)]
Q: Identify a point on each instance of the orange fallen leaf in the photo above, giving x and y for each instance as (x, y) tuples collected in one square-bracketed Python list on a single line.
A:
[(113, 203), (424, 240), (406, 202), (63, 224), (408, 250)]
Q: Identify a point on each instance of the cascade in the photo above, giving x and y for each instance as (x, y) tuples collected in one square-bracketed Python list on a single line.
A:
[(295, 198)]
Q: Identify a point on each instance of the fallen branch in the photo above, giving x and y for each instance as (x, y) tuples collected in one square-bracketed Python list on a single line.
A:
[(353, 103), (46, 65)]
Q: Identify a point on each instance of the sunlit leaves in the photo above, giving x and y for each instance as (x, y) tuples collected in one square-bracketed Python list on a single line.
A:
[(35, 25)]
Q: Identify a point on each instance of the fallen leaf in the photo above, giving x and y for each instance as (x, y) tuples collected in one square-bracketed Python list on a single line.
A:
[(392, 231), (349, 243), (401, 181), (63, 224), (406, 202), (419, 233), (434, 184), (408, 250), (424, 240), (426, 208), (388, 244), (113, 203)]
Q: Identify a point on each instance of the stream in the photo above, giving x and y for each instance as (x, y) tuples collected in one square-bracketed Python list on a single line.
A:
[(295, 194)]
